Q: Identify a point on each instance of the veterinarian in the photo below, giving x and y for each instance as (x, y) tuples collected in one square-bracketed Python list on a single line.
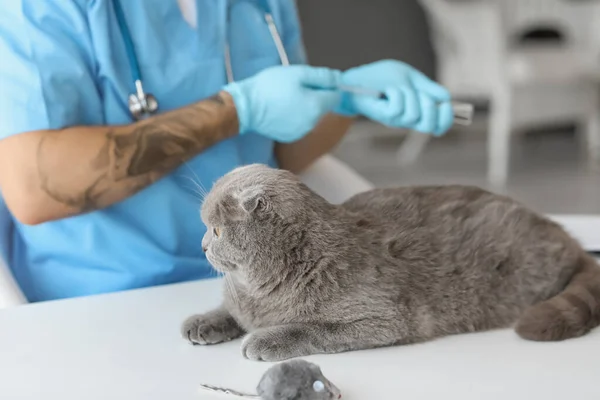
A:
[(114, 114)]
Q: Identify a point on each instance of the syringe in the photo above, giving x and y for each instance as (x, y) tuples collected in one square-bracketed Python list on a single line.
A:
[(463, 112)]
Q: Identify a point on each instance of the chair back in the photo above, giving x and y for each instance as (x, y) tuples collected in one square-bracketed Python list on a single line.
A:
[(10, 293)]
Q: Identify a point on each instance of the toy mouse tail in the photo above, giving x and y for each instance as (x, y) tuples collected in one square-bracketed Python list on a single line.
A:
[(230, 392)]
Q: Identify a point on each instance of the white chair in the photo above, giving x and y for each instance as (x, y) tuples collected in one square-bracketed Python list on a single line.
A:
[(10, 293), (329, 177), (480, 56), (334, 180)]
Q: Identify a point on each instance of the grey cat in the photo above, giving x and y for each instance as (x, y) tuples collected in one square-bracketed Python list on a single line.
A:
[(387, 267)]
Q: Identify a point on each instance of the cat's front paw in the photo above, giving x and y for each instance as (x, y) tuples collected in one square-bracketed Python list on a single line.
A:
[(210, 329), (273, 344)]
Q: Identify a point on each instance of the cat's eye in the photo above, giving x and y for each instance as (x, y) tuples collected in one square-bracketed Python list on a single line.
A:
[(318, 386), (216, 232)]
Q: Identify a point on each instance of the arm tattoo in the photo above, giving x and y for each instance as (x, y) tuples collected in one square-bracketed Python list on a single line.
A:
[(132, 157)]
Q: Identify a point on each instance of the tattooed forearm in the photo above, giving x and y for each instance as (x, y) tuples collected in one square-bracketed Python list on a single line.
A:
[(128, 158)]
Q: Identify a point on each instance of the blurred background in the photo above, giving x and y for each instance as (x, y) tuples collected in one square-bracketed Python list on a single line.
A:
[(531, 67)]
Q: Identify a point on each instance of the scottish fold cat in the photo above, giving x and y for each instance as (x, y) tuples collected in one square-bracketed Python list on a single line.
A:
[(387, 267)]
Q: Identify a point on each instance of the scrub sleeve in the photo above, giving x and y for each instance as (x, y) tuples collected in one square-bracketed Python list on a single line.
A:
[(46, 79)]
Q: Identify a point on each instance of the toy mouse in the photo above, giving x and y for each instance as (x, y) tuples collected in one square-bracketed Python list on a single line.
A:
[(295, 379)]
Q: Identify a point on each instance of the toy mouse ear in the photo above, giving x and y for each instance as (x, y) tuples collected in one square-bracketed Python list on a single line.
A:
[(318, 386), (253, 199)]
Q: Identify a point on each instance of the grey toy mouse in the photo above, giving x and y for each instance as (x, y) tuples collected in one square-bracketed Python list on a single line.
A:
[(290, 380)]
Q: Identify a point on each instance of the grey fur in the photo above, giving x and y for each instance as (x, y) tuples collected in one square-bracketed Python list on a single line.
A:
[(389, 266), (293, 380)]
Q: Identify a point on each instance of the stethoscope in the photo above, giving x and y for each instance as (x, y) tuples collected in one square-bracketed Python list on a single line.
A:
[(142, 104)]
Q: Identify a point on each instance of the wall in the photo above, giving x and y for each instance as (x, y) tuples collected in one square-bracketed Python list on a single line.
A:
[(345, 33)]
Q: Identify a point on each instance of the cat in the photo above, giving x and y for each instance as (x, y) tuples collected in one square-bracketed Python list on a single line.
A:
[(389, 266)]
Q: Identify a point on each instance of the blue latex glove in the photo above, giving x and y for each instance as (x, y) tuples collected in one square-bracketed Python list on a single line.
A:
[(413, 100), (284, 103)]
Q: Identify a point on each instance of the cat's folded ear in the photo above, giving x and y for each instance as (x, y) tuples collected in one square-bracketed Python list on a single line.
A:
[(253, 199)]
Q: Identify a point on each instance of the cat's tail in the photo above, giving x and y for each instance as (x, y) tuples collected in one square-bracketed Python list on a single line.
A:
[(572, 313)]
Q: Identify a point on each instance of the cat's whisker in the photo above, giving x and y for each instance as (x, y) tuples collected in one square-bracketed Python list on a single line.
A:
[(231, 288), (227, 283), (197, 182), (198, 189), (195, 193)]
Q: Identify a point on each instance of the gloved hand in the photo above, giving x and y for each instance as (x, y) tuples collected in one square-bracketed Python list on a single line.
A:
[(413, 100), (284, 103)]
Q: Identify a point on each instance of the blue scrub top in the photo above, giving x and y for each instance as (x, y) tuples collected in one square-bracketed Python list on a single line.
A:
[(63, 63)]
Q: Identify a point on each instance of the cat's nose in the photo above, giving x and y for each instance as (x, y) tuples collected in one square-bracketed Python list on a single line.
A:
[(205, 241)]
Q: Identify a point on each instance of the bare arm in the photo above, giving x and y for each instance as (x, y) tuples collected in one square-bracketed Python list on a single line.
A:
[(300, 155), (52, 174)]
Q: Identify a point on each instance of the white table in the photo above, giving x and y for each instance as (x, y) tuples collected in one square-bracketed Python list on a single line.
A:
[(127, 346)]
